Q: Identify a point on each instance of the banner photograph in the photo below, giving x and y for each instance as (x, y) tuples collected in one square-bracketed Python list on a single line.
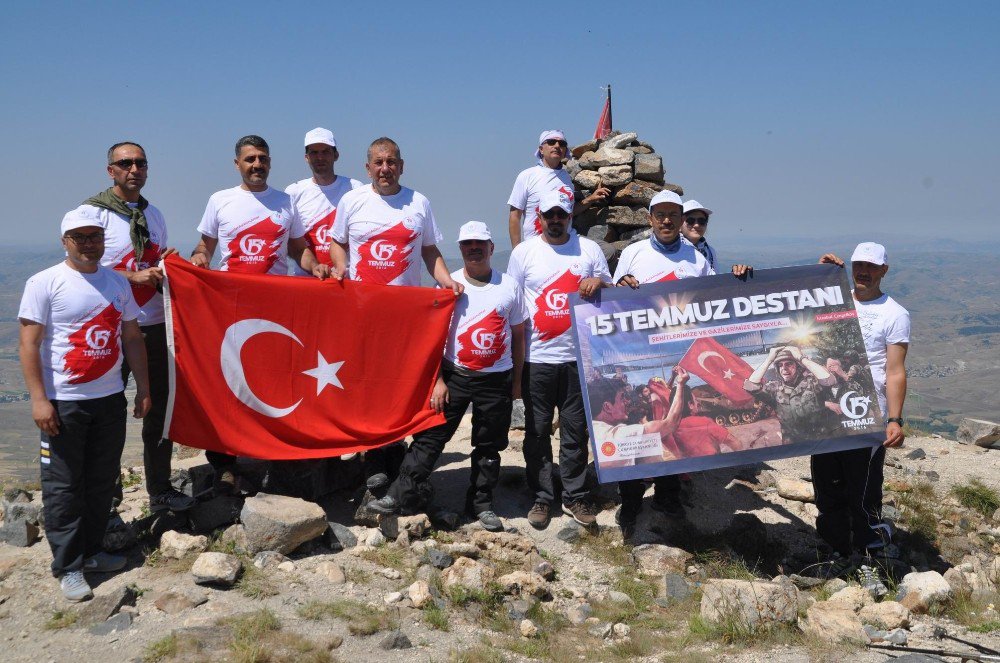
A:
[(695, 374)]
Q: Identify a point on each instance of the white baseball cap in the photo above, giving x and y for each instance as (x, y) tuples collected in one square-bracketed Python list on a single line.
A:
[(693, 204), (546, 135), (665, 197), (870, 252), (320, 135), (552, 199), (81, 217), (474, 230)]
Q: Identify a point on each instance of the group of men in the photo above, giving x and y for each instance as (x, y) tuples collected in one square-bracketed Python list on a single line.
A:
[(92, 320)]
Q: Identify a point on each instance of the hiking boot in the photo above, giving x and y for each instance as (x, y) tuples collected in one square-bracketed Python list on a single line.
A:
[(490, 521), (539, 515), (104, 562), (171, 500), (74, 586), (581, 511), (377, 481), (385, 506), (626, 518), (871, 582)]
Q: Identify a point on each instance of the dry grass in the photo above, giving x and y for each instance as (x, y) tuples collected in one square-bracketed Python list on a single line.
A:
[(976, 495), (255, 583), (388, 556), (361, 619), (605, 546), (61, 619)]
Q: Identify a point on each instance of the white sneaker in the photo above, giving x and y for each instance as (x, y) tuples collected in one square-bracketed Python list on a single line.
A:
[(74, 586), (104, 562)]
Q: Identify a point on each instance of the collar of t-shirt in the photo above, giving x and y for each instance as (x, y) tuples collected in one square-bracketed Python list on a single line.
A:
[(672, 247), (542, 164)]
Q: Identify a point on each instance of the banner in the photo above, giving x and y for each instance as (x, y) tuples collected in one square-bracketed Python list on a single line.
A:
[(701, 373), (285, 368)]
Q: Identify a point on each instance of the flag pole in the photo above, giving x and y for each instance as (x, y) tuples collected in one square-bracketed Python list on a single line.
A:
[(611, 124)]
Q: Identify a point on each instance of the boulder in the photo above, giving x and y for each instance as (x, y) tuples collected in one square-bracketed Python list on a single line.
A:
[(648, 167), (887, 614), (439, 559), (920, 591), (833, 622), (503, 544), (588, 179), (615, 175), (656, 558), (673, 587), (213, 568), (620, 141), (276, 522), (620, 215), (21, 533), (979, 432), (236, 536), (751, 603), (466, 572), (103, 606), (22, 507), (599, 233), (524, 582), (415, 526), (605, 157), (852, 596), (174, 602), (340, 537), (571, 533), (331, 572), (543, 568), (635, 192), (581, 149), (676, 188), (796, 489), (175, 545), (420, 594)]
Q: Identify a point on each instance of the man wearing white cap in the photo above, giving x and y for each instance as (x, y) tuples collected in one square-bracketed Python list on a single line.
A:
[(695, 226), (315, 199), (77, 318), (849, 483), (547, 175), (482, 365), (548, 267)]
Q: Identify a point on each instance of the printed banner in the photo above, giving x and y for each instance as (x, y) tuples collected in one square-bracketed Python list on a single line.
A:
[(285, 368), (701, 373)]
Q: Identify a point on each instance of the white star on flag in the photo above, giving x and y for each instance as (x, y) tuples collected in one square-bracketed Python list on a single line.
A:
[(325, 373), (728, 374)]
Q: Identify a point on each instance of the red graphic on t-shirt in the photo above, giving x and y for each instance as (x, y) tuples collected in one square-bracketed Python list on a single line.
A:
[(386, 256), (318, 238), (483, 343), (669, 277), (93, 347), (552, 315), (255, 249), (150, 257)]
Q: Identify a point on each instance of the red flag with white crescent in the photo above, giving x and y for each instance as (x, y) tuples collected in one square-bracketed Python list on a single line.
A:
[(278, 368), (719, 367), (604, 122)]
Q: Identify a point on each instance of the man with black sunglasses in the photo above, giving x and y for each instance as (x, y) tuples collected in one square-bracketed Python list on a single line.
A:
[(532, 183), (695, 226)]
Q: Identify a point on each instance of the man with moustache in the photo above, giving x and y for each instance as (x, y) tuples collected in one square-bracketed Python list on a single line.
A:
[(548, 267), (482, 366), (695, 227)]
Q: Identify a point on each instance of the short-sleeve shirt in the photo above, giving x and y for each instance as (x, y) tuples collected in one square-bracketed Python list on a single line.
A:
[(82, 315), (480, 336), (547, 273), (119, 254), (883, 323), (648, 264), (704, 249), (252, 228), (529, 186), (385, 234), (316, 206)]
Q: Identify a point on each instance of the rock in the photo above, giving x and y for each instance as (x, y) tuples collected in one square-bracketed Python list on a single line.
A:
[(917, 454), (805, 582), (173, 602), (415, 526), (503, 544), (796, 489), (373, 538), (236, 536), (578, 613), (393, 597), (887, 615), (600, 630), (120, 622), (834, 585), (269, 559), (853, 596), (598, 233), (427, 573), (403, 539), (621, 630), (890, 513), (570, 533), (620, 141), (517, 415), (752, 603), (444, 519), (276, 522), (613, 176), (395, 640), (528, 628), (21, 533), (22, 508), (649, 167), (439, 559), (220, 511), (420, 594), (330, 642), (466, 572), (543, 568), (676, 188), (104, 606), (979, 432), (583, 148), (635, 192), (620, 215), (931, 475), (175, 545), (607, 157), (524, 582), (331, 572), (620, 598), (587, 179), (213, 568), (658, 558), (673, 587), (287, 566), (365, 516), (897, 637), (918, 592), (833, 622), (462, 549)]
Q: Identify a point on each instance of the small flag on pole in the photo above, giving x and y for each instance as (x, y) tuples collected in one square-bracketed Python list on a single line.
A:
[(604, 123)]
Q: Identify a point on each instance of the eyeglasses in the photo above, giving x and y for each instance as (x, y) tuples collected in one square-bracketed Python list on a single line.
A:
[(696, 221), (663, 216), (555, 213), (553, 141), (83, 240), (126, 164)]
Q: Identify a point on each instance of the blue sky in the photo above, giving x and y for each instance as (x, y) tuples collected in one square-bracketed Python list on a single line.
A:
[(801, 119)]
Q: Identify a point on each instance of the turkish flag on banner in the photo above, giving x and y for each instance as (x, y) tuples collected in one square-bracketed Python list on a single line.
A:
[(288, 368), (719, 367)]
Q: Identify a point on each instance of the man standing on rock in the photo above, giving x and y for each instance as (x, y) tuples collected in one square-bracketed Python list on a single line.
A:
[(695, 227), (547, 268), (849, 483), (482, 365), (383, 227), (532, 183), (77, 319)]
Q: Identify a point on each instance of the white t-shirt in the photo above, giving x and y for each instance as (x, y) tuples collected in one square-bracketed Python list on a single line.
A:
[(119, 255), (529, 186), (883, 323), (385, 234), (547, 274), (649, 265), (82, 314), (316, 206), (252, 229), (480, 337)]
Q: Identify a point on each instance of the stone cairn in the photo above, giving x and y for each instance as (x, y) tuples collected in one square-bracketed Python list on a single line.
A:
[(634, 172)]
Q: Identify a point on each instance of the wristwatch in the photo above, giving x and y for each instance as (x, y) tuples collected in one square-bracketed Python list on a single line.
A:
[(896, 420)]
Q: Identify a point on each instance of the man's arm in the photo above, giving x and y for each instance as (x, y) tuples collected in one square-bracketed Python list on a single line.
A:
[(338, 256), (299, 251), (517, 355), (514, 225), (134, 349), (601, 193), (895, 391), (818, 371), (151, 277), (437, 268), (758, 375), (42, 411), (669, 423), (202, 254)]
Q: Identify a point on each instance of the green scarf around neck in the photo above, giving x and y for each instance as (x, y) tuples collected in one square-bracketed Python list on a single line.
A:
[(138, 229)]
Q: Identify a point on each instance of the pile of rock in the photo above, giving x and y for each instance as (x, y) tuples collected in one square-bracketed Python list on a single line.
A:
[(634, 172)]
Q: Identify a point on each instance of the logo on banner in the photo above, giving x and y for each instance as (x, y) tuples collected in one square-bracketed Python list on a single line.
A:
[(609, 449), (856, 407)]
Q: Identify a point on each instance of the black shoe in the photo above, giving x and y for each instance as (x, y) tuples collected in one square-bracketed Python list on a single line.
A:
[(171, 500), (490, 521), (377, 481), (385, 506), (668, 506), (626, 518)]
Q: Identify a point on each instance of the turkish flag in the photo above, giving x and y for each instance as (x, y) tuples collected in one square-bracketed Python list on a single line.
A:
[(280, 368), (719, 367), (604, 122)]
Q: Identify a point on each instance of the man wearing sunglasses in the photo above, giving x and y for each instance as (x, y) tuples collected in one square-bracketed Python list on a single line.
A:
[(547, 175), (695, 227), (548, 267)]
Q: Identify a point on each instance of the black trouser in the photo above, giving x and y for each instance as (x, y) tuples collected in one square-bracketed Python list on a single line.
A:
[(668, 489), (848, 487), (545, 387), (156, 450), (385, 460), (491, 401), (80, 468)]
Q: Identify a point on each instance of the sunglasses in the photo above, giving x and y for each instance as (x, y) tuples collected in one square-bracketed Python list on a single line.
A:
[(126, 164), (83, 240), (697, 221), (553, 141), (556, 213)]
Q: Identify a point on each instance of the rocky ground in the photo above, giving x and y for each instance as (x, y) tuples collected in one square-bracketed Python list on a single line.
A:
[(295, 582)]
